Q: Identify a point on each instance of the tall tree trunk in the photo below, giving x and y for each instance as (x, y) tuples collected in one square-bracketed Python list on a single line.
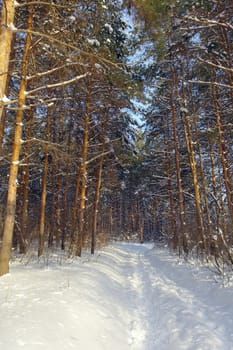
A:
[(204, 191), (14, 166), (6, 26), (96, 202), (132, 216), (3, 112), (83, 174), (172, 235), (65, 216), (172, 224), (110, 218), (227, 41), (75, 206), (44, 189), (54, 174), (23, 208), (24, 186), (181, 230), (58, 210), (192, 160), (223, 154)]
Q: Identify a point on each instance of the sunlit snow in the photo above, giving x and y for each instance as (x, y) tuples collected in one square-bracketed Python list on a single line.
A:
[(126, 297)]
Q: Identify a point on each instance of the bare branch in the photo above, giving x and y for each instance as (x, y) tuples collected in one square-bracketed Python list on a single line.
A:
[(40, 141), (38, 75), (65, 44), (45, 3), (210, 22), (209, 83), (7, 102), (215, 65), (61, 83), (98, 156)]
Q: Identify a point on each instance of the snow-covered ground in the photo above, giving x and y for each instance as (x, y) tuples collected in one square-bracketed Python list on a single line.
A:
[(126, 297)]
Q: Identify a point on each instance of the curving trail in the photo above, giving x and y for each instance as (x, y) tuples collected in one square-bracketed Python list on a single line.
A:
[(127, 297)]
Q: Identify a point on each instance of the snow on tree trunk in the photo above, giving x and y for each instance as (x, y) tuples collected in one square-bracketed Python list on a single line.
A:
[(14, 166), (6, 30)]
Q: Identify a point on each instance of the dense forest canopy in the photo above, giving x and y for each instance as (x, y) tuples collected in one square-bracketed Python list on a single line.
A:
[(77, 169)]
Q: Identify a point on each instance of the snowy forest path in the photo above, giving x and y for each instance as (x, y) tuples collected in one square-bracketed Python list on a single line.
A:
[(170, 311), (127, 296)]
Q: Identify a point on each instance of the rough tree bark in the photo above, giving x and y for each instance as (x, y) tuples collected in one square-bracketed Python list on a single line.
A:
[(6, 31), (83, 174), (44, 189), (192, 160), (96, 202), (14, 166), (181, 238)]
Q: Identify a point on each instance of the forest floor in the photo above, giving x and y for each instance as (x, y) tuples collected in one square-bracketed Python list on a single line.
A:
[(126, 297)]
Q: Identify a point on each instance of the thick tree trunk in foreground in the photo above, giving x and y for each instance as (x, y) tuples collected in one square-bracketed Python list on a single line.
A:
[(12, 184), (6, 26)]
